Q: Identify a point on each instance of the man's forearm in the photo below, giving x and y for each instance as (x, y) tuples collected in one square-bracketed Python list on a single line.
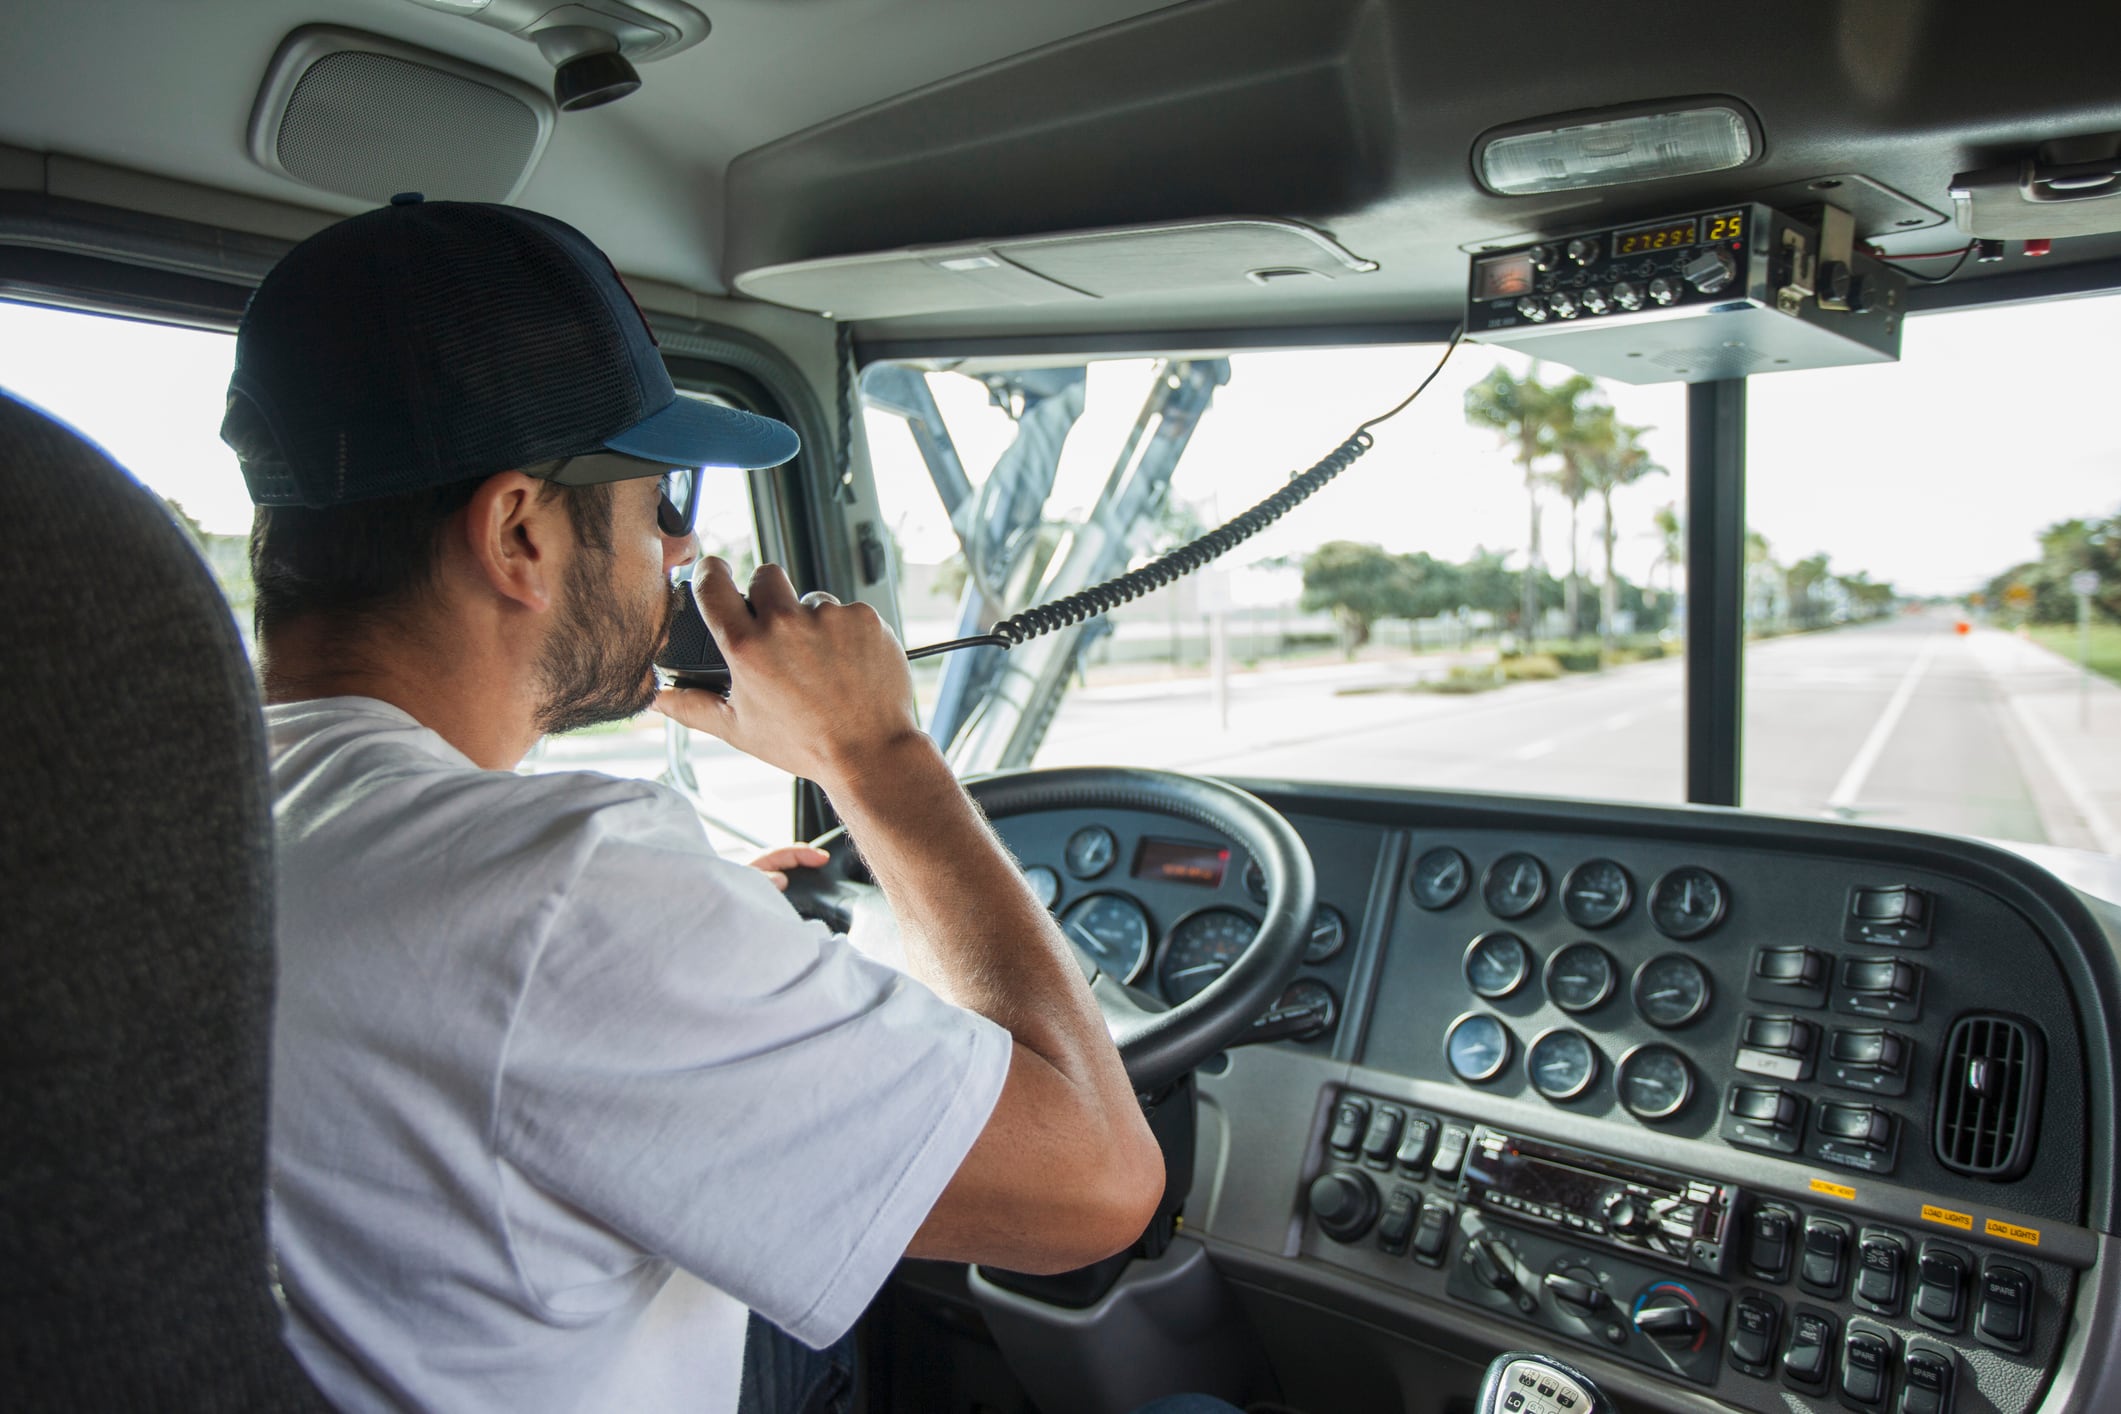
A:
[(973, 929)]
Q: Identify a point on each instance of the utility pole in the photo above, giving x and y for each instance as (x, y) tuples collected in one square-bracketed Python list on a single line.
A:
[(2084, 583)]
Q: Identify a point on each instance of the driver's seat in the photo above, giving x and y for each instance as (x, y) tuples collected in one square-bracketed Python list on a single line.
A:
[(135, 958)]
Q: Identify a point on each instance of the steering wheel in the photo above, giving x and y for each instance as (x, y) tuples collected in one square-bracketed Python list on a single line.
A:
[(1157, 1044)]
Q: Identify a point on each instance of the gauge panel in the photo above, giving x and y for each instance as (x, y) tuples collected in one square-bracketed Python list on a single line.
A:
[(1581, 977), (1597, 893), (1200, 949), (1090, 852), (1497, 964), (1477, 1047), (1045, 884), (1671, 990), (1688, 903), (1561, 1064), (1514, 885), (1329, 934), (1655, 1082), (1111, 930), (1439, 878)]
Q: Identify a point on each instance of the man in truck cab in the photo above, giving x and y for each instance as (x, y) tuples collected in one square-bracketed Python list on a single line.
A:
[(559, 1094)]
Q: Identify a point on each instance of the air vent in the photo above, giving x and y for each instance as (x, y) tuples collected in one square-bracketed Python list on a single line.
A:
[(1988, 1097)]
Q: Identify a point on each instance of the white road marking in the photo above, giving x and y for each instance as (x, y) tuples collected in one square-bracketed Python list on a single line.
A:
[(2058, 764), (1859, 768), (1532, 751), (1621, 721)]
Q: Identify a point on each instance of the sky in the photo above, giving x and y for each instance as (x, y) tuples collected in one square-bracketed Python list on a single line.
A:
[(1933, 474)]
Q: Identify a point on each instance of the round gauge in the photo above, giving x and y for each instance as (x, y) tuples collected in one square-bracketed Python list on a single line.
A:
[(1200, 949), (1497, 964), (1561, 1064), (1256, 882), (1045, 884), (1112, 931), (1687, 903), (1515, 885), (1329, 933), (1090, 851), (1654, 1081), (1596, 893), (1310, 994), (1440, 877), (1671, 990), (1581, 976), (1478, 1047)]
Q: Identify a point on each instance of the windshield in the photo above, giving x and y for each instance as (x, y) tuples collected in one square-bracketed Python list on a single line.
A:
[(1492, 598)]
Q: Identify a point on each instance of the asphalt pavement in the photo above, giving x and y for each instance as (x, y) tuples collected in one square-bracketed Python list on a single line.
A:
[(1903, 722)]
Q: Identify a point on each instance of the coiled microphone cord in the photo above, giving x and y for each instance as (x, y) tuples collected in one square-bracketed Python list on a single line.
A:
[(1121, 589)]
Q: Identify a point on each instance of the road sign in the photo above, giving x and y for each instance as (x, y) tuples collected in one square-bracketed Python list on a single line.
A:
[(2018, 596), (2084, 582)]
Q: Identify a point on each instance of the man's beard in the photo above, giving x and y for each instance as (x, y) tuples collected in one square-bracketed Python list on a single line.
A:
[(598, 665)]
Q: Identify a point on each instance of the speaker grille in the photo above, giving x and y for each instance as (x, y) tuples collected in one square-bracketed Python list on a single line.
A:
[(371, 125), (1988, 1097)]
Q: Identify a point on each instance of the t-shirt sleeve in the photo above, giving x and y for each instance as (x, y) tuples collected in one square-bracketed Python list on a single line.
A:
[(733, 1088)]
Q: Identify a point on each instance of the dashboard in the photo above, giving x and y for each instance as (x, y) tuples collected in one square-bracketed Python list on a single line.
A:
[(1784, 1114)]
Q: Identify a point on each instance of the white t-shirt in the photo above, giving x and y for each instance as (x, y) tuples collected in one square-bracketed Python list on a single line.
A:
[(557, 1093)]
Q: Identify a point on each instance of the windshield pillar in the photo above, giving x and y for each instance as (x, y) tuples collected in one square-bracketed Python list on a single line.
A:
[(1715, 580)]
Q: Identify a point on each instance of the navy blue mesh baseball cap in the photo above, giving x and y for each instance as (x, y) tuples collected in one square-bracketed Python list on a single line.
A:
[(429, 342)]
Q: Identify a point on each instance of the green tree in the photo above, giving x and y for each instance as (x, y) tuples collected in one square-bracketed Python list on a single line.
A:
[(1671, 549), (1806, 579), (1527, 414), (1360, 584), (1618, 459), (1587, 435)]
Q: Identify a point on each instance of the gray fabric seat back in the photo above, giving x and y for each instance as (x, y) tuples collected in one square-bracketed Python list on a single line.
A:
[(135, 957)]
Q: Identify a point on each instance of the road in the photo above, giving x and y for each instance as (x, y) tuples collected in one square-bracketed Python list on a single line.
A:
[(1903, 722)]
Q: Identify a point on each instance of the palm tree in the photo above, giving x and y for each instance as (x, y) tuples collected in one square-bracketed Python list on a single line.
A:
[(1580, 442), (1619, 460), (1672, 552), (1526, 413)]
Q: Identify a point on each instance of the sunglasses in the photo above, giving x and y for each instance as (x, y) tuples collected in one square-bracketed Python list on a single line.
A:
[(678, 499)]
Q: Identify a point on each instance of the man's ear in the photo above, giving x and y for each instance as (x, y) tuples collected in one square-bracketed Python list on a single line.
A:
[(517, 538)]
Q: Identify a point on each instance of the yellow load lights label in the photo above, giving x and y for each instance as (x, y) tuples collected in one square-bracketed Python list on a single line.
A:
[(1963, 1221), (2030, 1236), (1833, 1190)]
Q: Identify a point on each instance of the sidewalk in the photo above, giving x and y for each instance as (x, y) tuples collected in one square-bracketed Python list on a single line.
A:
[(2073, 730)]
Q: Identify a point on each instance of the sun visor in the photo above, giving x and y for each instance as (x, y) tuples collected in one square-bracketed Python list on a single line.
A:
[(1053, 269)]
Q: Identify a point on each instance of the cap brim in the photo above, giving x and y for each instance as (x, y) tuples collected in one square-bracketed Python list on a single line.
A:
[(693, 432)]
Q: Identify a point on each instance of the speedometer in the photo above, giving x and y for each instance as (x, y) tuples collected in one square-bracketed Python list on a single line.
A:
[(1200, 949), (1112, 931)]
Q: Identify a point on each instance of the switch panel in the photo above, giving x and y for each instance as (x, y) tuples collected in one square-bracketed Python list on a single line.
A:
[(2004, 1317), (1881, 1270), (1868, 1354), (1791, 977), (1771, 1234), (1823, 1262), (1397, 1225), (1764, 1117), (1809, 1357), (1888, 988), (1351, 1118), (1417, 1145), (1854, 1136), (1893, 916), (1432, 1231), (1451, 1150), (1381, 1140), (1940, 1287), (1778, 1047), (1872, 1059), (1756, 1323), (1929, 1372)]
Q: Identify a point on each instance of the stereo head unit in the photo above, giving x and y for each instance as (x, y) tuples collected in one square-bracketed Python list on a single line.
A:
[(1656, 1213)]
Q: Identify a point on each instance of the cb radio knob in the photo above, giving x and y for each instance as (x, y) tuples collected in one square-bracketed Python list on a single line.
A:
[(1622, 1213), (1345, 1204)]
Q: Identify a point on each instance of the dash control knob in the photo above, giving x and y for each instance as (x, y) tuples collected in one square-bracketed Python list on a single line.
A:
[(1595, 301), (1543, 258), (1533, 309), (1627, 294), (1582, 252), (1669, 1318), (1562, 303), (1345, 1204), (1622, 1213), (1663, 291), (1710, 271)]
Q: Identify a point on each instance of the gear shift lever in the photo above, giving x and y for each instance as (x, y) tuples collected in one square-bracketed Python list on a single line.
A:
[(1520, 1382)]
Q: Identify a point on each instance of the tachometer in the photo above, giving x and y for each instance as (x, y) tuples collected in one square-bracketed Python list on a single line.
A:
[(1111, 930), (1200, 949), (1561, 1064), (1478, 1047)]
